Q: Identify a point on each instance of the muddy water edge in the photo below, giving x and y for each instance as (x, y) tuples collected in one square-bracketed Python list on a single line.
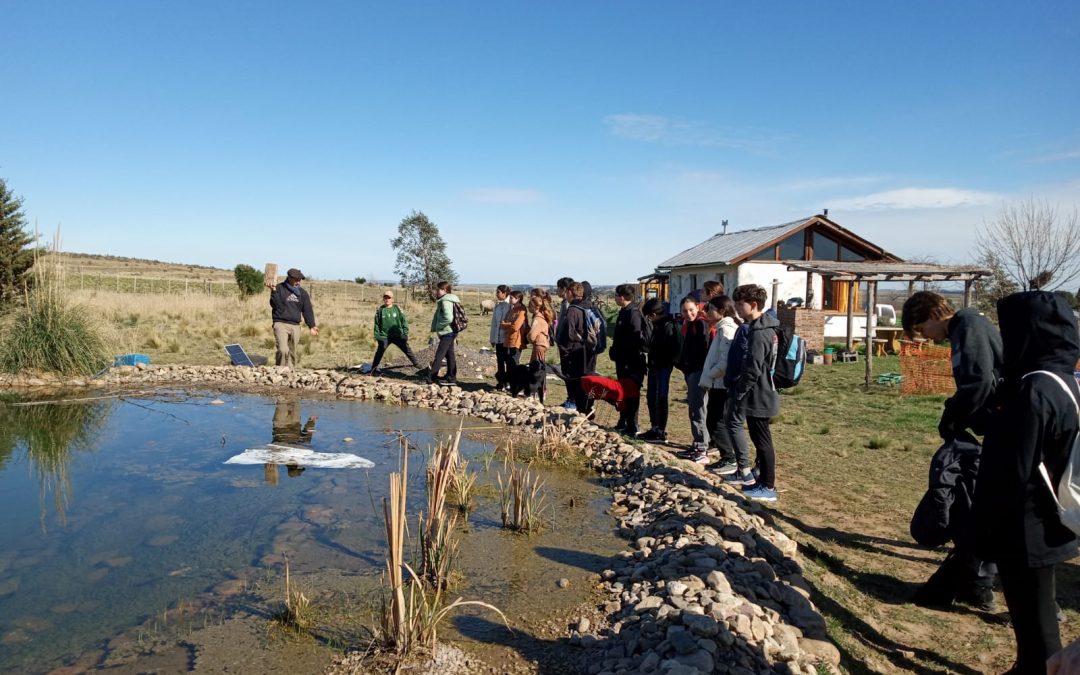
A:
[(129, 545)]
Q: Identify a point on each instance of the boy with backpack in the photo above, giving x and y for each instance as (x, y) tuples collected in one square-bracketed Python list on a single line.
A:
[(628, 349), (754, 394)]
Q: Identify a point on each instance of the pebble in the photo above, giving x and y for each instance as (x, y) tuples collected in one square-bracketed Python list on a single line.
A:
[(564, 583)]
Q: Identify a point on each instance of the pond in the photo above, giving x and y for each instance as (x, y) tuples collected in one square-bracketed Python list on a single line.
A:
[(118, 510)]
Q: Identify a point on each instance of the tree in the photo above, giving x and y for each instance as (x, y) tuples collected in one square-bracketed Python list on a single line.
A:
[(1032, 246), (360, 280), (990, 289), (421, 254), (249, 279), (16, 254)]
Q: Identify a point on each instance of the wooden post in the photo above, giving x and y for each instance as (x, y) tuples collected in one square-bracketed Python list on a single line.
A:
[(850, 315), (808, 298), (775, 293), (911, 288), (871, 300), (967, 293)]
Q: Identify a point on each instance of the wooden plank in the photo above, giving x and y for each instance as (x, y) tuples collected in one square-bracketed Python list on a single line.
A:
[(270, 273)]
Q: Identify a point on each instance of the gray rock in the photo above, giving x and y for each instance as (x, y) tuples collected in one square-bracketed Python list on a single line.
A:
[(704, 626), (681, 640)]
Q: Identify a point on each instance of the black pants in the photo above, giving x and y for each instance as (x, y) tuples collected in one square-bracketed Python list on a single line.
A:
[(399, 342), (761, 437), (960, 575), (574, 363), (1030, 594), (635, 371), (503, 361), (445, 350), (719, 437), (657, 397)]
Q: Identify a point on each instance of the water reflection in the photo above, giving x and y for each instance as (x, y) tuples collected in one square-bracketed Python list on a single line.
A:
[(287, 430), (48, 433)]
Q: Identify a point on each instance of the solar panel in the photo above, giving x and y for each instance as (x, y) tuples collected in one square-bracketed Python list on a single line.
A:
[(238, 356)]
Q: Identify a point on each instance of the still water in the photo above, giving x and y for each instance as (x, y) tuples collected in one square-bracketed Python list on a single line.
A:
[(115, 509)]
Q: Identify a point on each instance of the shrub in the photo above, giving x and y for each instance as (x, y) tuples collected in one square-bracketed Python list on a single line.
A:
[(48, 334), (248, 279), (360, 280)]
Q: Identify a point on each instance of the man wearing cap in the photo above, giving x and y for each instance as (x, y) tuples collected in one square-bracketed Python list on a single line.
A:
[(289, 304), (391, 328)]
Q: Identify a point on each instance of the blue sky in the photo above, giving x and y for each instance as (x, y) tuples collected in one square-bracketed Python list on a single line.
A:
[(545, 139)]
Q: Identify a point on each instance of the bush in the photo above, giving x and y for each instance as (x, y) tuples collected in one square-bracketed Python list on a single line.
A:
[(360, 280), (48, 334), (248, 279)]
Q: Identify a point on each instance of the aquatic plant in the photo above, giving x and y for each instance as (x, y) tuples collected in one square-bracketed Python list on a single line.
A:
[(522, 503), (438, 545), (464, 485), (46, 332), (409, 621), (297, 612)]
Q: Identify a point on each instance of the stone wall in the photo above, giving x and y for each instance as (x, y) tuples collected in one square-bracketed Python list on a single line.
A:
[(706, 584)]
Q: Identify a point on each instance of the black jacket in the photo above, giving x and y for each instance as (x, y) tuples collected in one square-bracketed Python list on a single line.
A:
[(695, 346), (572, 328), (628, 345), (947, 510), (1016, 517), (754, 389), (290, 306), (665, 343), (976, 367)]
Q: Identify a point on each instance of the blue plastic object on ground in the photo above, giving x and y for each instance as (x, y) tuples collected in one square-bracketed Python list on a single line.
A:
[(131, 360)]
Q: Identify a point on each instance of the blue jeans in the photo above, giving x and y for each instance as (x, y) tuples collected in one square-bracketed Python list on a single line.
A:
[(656, 396)]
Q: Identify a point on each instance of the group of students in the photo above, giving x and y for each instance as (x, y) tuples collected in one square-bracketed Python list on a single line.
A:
[(1015, 388), (725, 348)]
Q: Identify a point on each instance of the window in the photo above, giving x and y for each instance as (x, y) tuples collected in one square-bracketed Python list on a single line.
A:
[(767, 254), (693, 284), (847, 255), (825, 248), (828, 301), (793, 248)]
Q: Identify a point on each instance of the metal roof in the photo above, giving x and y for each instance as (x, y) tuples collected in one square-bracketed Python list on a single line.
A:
[(888, 271), (723, 248)]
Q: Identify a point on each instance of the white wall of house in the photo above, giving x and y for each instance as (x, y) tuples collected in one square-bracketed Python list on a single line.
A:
[(792, 284)]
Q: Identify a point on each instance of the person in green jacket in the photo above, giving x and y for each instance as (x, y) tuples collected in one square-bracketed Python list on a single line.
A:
[(442, 324), (391, 328)]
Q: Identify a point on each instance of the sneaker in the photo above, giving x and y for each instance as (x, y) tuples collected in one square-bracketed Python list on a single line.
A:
[(569, 405), (448, 382), (700, 457), (760, 493), (725, 468), (619, 426), (377, 372), (651, 435), (980, 598), (740, 478), (423, 372)]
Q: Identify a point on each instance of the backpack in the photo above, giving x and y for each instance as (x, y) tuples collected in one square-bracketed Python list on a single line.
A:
[(789, 360), (460, 321), (1067, 493), (595, 334)]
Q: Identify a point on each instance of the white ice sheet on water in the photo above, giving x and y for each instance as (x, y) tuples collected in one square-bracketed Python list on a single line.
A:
[(284, 454)]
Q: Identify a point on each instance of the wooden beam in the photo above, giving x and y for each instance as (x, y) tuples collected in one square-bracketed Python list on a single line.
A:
[(871, 300), (967, 294), (850, 314)]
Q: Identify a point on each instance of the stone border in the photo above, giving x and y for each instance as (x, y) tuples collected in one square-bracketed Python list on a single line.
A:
[(708, 585)]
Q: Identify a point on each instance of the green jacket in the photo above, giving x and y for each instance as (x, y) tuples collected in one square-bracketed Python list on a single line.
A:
[(390, 322), (444, 315)]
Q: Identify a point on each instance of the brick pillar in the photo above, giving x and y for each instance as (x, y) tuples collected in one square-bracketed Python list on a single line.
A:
[(807, 323)]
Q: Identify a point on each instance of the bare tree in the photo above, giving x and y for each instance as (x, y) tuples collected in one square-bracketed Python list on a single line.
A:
[(1033, 246)]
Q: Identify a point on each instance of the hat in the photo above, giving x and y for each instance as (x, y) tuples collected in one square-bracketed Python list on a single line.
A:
[(388, 294), (295, 274)]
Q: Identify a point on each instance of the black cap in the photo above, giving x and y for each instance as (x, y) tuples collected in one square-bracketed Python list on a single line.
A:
[(296, 274)]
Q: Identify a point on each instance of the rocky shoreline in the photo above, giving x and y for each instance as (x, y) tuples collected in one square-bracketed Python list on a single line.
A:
[(707, 584)]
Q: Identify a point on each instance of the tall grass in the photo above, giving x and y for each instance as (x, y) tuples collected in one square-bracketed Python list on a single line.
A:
[(521, 500), (48, 333), (438, 545)]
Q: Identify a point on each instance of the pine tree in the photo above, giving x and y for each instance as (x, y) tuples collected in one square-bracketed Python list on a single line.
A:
[(421, 254), (16, 254)]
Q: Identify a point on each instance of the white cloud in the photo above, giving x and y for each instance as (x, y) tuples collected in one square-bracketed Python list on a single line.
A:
[(660, 129), (830, 183), (916, 198), (1063, 156), (499, 195)]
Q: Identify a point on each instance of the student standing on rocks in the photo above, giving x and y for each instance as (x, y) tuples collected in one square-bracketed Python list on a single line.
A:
[(628, 349), (391, 328), (442, 324), (562, 290), (515, 329), (1017, 523), (664, 345), (755, 395), (977, 365), (542, 324), (572, 338), (720, 311), (496, 335), (288, 305), (695, 347)]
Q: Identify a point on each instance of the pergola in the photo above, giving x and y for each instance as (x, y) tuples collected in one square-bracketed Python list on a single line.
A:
[(872, 273)]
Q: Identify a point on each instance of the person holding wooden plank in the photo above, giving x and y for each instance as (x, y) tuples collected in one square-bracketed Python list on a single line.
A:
[(289, 304)]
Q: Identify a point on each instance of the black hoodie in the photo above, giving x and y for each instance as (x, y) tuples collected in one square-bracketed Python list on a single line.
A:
[(1016, 516)]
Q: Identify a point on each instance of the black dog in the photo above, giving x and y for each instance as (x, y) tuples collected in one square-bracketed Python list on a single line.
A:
[(530, 378)]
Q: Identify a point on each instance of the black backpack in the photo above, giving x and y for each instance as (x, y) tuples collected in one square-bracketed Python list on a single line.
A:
[(790, 359), (460, 321)]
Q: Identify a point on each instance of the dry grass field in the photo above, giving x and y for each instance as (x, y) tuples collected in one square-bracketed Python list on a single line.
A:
[(852, 463)]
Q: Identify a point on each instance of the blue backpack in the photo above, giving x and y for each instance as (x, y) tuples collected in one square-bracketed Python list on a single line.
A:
[(595, 329), (790, 359)]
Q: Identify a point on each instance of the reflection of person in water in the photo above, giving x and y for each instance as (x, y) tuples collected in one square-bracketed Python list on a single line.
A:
[(288, 431)]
